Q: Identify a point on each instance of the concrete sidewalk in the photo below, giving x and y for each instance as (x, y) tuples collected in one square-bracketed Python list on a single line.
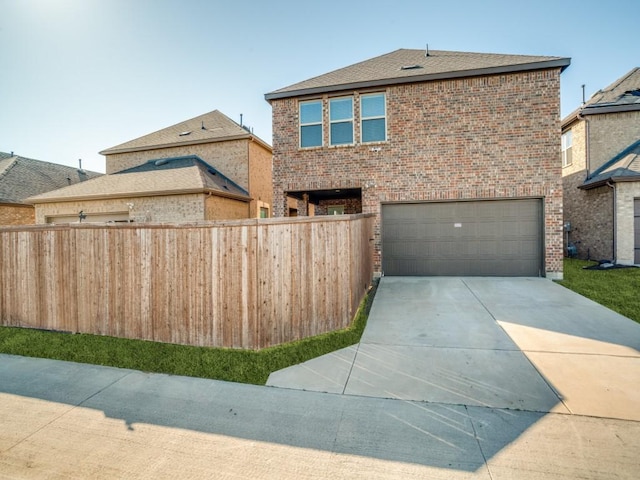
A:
[(75, 421), (515, 343), (409, 403)]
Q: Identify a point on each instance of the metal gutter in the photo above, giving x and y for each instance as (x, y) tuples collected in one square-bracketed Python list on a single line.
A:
[(595, 109), (159, 193)]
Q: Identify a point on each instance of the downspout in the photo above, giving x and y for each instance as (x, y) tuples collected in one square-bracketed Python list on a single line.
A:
[(613, 253)]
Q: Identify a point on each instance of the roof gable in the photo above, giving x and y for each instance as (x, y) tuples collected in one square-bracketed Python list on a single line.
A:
[(167, 176), (22, 177), (623, 95), (209, 127), (407, 66), (624, 91), (624, 167)]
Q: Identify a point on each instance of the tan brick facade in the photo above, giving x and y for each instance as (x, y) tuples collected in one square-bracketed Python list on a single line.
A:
[(260, 182), (591, 213), (611, 133), (473, 138), (11, 214), (244, 161), (626, 193), (165, 209)]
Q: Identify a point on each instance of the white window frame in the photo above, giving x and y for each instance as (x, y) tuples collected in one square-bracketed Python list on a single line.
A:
[(377, 117), (342, 120), (310, 124), (567, 150)]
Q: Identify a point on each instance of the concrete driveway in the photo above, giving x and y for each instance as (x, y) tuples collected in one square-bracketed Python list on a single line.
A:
[(511, 343), (490, 379)]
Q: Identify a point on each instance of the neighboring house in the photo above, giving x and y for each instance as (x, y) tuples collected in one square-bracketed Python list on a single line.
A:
[(182, 189), (457, 154), (219, 141), (22, 177), (601, 173)]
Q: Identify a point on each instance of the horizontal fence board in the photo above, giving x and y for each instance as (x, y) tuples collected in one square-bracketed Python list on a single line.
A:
[(237, 284)]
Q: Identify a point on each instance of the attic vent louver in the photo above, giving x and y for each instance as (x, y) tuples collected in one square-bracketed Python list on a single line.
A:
[(183, 134), (410, 67)]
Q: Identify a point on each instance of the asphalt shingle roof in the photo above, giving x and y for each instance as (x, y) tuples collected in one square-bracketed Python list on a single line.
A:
[(623, 95), (405, 66), (623, 167), (188, 174), (22, 177), (624, 91), (209, 127)]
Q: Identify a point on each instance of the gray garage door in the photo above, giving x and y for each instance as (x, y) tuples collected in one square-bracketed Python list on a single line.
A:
[(485, 238)]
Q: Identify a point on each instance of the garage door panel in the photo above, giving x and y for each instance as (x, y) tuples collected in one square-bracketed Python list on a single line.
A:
[(502, 237)]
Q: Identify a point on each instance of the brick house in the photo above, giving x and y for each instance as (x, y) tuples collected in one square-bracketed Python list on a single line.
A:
[(601, 173), (22, 177), (181, 189), (457, 154), (223, 144)]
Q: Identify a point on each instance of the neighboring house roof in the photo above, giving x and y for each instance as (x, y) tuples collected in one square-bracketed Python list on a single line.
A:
[(409, 66), (623, 95), (624, 167), (22, 177), (167, 176), (210, 127)]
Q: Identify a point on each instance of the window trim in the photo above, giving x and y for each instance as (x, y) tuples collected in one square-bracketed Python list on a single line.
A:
[(310, 124), (350, 120), (378, 117), (567, 151)]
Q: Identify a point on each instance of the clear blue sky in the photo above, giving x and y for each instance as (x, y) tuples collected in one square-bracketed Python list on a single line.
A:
[(79, 76)]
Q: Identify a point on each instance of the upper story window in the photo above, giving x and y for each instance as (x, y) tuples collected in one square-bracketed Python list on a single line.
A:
[(341, 121), (567, 142), (311, 124), (373, 118)]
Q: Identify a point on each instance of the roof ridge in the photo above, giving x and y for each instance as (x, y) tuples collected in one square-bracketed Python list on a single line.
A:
[(12, 163)]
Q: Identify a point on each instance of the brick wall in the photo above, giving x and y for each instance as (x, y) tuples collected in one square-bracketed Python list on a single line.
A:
[(16, 214), (260, 185), (170, 208), (590, 213), (230, 158), (222, 208), (351, 206), (626, 193), (610, 134), (476, 138), (245, 162)]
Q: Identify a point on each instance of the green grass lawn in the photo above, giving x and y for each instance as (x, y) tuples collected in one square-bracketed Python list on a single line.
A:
[(218, 363), (617, 289)]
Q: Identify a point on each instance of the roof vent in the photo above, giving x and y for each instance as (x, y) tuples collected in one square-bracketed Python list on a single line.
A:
[(410, 67), (162, 161), (184, 134)]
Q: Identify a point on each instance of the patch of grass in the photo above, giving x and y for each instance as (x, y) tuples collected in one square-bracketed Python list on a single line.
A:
[(242, 366), (617, 289)]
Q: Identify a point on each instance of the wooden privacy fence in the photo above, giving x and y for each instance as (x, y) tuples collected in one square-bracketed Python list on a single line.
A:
[(243, 284)]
